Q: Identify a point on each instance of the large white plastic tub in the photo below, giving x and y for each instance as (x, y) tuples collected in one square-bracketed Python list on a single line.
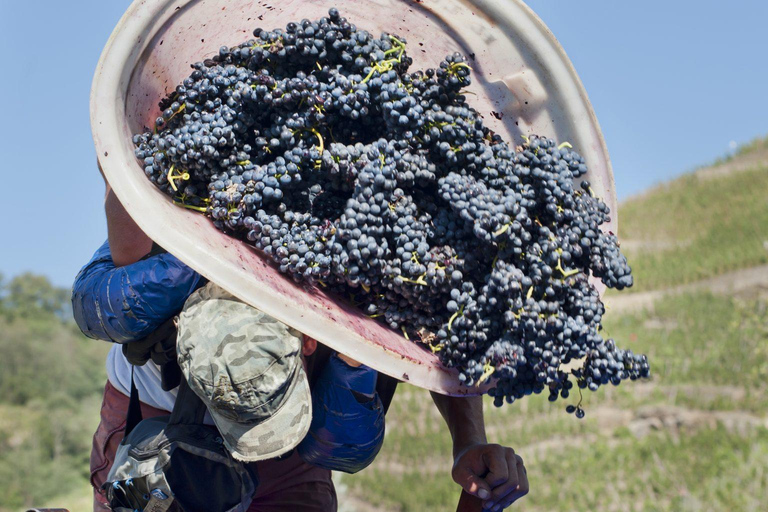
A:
[(520, 72)]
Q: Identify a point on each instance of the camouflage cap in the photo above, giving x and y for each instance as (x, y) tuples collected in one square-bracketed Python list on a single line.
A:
[(246, 366)]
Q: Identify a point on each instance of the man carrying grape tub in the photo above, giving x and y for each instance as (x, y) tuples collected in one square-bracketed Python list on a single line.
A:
[(318, 146), (131, 293)]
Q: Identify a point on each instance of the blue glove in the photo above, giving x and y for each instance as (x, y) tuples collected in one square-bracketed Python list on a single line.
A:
[(347, 430), (123, 304)]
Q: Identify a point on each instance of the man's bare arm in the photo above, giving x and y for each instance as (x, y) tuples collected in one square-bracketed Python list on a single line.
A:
[(127, 241), (493, 473), (464, 416)]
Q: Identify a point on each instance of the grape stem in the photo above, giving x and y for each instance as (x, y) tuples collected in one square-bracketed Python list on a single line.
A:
[(566, 273), (386, 65), (419, 280), (181, 109), (456, 65), (502, 229), (321, 145), (454, 316), (268, 44), (487, 372), (190, 207), (172, 179)]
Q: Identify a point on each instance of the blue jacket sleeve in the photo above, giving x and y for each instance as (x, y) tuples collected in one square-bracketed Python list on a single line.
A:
[(123, 304), (346, 433)]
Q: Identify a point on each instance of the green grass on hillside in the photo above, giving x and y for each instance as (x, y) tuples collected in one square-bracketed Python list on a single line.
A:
[(709, 357), (697, 228), (702, 340), (706, 470), (710, 469)]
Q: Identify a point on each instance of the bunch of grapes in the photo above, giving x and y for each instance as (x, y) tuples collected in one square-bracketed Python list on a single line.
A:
[(321, 148)]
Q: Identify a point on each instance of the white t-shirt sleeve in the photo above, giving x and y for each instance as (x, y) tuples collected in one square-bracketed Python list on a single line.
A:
[(147, 378)]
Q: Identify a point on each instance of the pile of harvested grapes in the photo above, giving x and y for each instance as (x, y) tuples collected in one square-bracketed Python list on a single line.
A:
[(319, 146)]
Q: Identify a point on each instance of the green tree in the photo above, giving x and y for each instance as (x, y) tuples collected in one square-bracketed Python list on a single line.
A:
[(51, 379), (29, 295)]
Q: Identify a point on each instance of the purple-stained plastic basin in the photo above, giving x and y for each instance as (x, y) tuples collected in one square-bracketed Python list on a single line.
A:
[(522, 78)]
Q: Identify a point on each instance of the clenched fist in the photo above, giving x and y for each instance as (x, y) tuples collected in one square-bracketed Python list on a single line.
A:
[(493, 473)]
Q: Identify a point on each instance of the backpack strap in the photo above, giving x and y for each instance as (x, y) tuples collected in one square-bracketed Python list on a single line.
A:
[(188, 408), (134, 408)]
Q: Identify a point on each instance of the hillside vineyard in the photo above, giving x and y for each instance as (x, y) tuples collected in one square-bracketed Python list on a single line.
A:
[(319, 146)]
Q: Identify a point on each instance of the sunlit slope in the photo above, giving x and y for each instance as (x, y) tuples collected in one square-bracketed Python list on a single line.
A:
[(706, 223)]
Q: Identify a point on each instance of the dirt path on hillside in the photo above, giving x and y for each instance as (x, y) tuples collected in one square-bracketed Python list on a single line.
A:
[(738, 164), (749, 282), (640, 423), (654, 245)]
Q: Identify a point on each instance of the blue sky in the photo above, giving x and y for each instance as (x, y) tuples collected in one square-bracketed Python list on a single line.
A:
[(673, 83)]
